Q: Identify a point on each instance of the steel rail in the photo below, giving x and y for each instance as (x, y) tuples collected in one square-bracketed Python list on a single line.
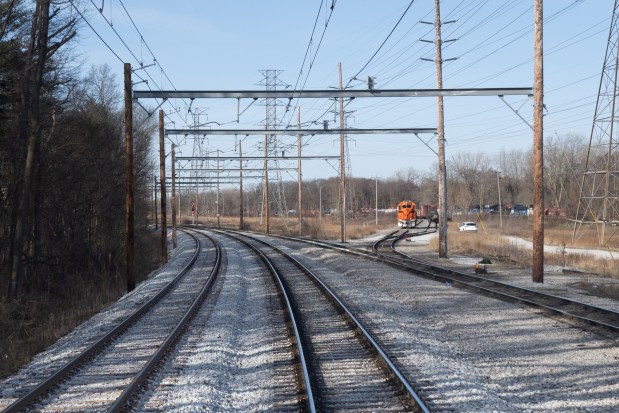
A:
[(395, 237), (429, 271), (100, 344), (172, 339), (521, 294), (311, 404), (376, 245), (365, 334)]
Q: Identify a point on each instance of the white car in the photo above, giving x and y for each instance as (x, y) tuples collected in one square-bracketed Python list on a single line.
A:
[(468, 226)]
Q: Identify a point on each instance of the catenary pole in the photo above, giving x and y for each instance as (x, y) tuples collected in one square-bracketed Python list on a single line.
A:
[(320, 204), (300, 206), (155, 202), (342, 165), (241, 185), (217, 201), (266, 181), (442, 168), (376, 201), (164, 224), (129, 218), (173, 200), (498, 184), (538, 149)]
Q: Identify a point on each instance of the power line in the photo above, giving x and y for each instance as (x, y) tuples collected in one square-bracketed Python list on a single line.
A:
[(384, 41), (95, 32)]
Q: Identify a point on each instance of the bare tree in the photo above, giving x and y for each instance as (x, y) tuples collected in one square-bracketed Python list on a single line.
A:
[(475, 171), (515, 171), (563, 164)]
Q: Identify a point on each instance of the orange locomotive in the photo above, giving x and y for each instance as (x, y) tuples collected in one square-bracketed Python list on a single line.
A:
[(407, 214)]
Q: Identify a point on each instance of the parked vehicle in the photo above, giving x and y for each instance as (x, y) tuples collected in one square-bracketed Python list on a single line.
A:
[(519, 210), (468, 226)]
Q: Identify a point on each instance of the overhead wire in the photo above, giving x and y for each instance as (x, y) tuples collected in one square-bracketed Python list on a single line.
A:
[(467, 27), (135, 57), (313, 59), (564, 10), (384, 41), (95, 31)]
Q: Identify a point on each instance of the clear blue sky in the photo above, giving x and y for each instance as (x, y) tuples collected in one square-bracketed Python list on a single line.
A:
[(205, 45)]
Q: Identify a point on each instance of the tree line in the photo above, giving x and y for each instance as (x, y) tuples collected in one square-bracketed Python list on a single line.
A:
[(474, 180), (62, 157), (61, 154)]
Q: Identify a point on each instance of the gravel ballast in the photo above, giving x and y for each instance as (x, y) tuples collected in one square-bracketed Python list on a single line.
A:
[(468, 353), (475, 353)]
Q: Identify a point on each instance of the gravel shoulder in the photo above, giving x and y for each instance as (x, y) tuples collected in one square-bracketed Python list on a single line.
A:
[(473, 353), (467, 352), (61, 352)]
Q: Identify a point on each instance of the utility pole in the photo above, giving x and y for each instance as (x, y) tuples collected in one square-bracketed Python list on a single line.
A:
[(300, 206), (155, 202), (217, 201), (173, 200), (164, 224), (538, 149), (241, 184), (129, 218), (342, 165), (320, 204), (498, 184), (266, 180), (376, 202), (442, 167)]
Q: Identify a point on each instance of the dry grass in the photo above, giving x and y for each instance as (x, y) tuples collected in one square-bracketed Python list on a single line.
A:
[(326, 228), (489, 241), (38, 319)]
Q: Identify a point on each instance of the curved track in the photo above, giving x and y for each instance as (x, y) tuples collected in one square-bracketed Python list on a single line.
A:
[(563, 308), (566, 308), (110, 371), (343, 367)]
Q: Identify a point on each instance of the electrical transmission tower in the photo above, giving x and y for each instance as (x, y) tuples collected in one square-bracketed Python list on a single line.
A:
[(200, 149), (274, 148), (598, 204)]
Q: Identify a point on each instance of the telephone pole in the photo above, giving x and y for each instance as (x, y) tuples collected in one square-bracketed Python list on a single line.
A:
[(342, 165), (241, 184), (173, 200), (538, 150), (266, 180), (164, 229), (442, 167), (129, 218), (300, 206), (155, 203)]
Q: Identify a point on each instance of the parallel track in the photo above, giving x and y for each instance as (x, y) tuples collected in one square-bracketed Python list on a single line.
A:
[(178, 299), (343, 369), (562, 308)]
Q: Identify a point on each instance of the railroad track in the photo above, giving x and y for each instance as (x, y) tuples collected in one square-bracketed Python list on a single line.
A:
[(342, 366), (109, 372), (562, 308)]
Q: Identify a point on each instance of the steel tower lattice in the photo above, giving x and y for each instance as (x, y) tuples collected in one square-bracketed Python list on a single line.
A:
[(598, 203)]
